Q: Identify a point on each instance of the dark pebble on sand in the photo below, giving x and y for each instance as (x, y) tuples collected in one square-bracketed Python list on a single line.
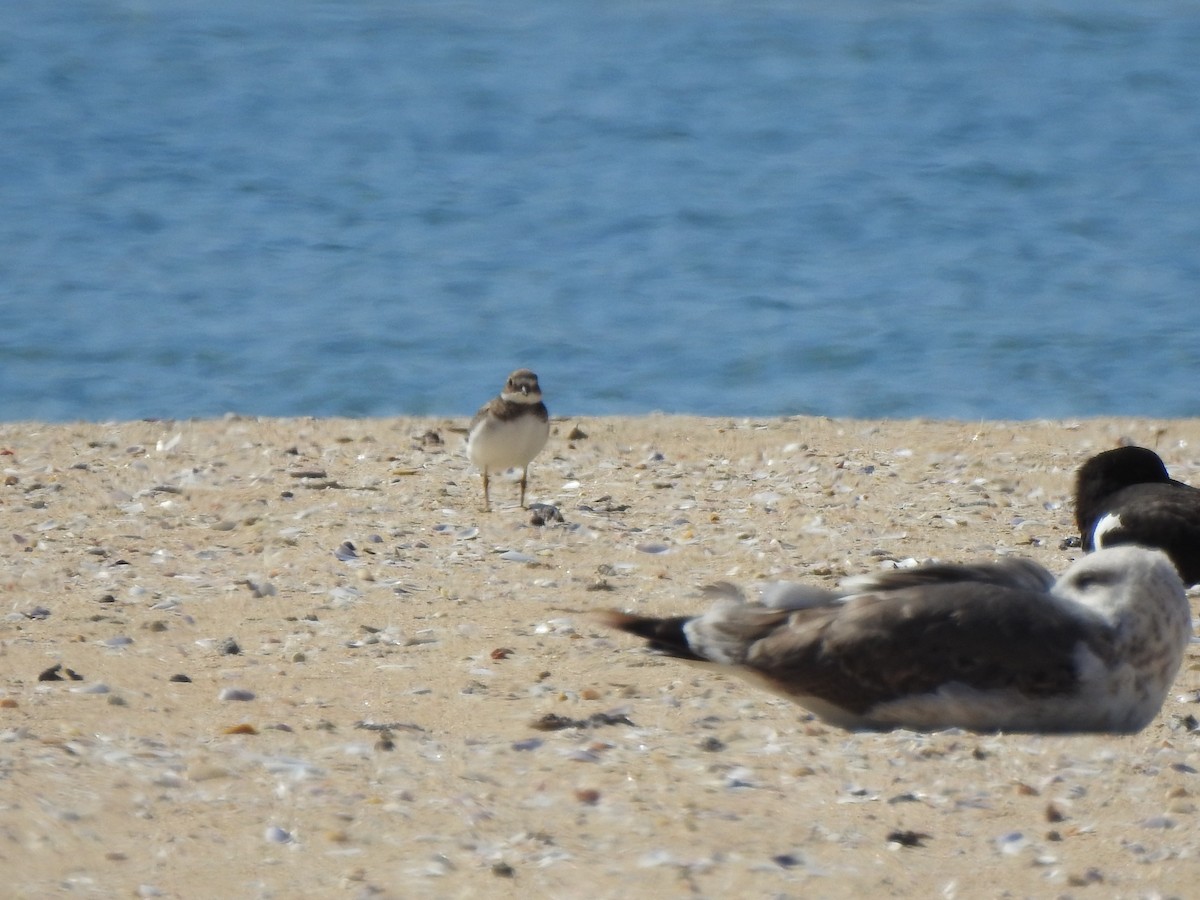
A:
[(56, 673)]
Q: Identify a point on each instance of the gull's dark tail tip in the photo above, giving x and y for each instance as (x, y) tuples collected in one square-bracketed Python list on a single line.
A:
[(664, 635)]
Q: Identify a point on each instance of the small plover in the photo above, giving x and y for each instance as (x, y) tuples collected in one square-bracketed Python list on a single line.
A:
[(991, 647), (1125, 496), (509, 430)]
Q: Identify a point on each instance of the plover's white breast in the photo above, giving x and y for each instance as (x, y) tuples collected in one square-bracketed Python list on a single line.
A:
[(505, 443)]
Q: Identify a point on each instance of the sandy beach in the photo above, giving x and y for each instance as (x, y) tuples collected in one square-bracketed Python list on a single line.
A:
[(294, 658)]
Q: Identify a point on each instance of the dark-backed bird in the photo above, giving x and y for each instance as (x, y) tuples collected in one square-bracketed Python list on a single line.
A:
[(991, 647), (1125, 496), (509, 430)]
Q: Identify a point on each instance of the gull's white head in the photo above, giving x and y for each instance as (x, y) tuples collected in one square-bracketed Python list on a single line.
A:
[(1138, 592)]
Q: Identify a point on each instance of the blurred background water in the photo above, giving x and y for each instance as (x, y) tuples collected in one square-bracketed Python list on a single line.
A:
[(737, 207)]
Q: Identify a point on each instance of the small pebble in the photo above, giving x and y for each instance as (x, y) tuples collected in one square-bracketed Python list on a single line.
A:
[(653, 548), (544, 514), (235, 694), (205, 772), (98, 688), (1091, 876), (517, 556), (180, 678), (908, 838), (54, 673), (1162, 822), (1012, 843), (584, 756), (308, 473), (740, 777), (260, 587)]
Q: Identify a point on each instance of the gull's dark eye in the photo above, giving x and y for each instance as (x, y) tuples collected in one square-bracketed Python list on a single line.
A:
[(1085, 581)]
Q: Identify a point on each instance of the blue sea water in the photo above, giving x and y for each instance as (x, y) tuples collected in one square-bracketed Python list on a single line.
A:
[(745, 207)]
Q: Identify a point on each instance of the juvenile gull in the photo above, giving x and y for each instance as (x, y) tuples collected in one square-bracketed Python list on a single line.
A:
[(509, 430), (1125, 496), (989, 647)]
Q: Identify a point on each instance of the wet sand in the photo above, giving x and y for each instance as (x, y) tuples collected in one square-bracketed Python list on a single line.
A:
[(296, 659)]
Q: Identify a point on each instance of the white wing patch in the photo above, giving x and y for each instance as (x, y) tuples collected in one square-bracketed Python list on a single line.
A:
[(1106, 523)]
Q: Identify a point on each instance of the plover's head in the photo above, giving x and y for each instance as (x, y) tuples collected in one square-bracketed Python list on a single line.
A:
[(522, 387)]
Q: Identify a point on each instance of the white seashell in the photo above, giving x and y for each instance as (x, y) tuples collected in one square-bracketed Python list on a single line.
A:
[(517, 556), (98, 688), (1012, 843)]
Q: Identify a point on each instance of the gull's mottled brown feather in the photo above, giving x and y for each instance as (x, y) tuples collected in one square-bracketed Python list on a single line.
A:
[(883, 646), (987, 647)]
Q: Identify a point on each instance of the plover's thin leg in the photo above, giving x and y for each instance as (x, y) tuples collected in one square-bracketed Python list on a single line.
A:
[(524, 475), (487, 503)]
